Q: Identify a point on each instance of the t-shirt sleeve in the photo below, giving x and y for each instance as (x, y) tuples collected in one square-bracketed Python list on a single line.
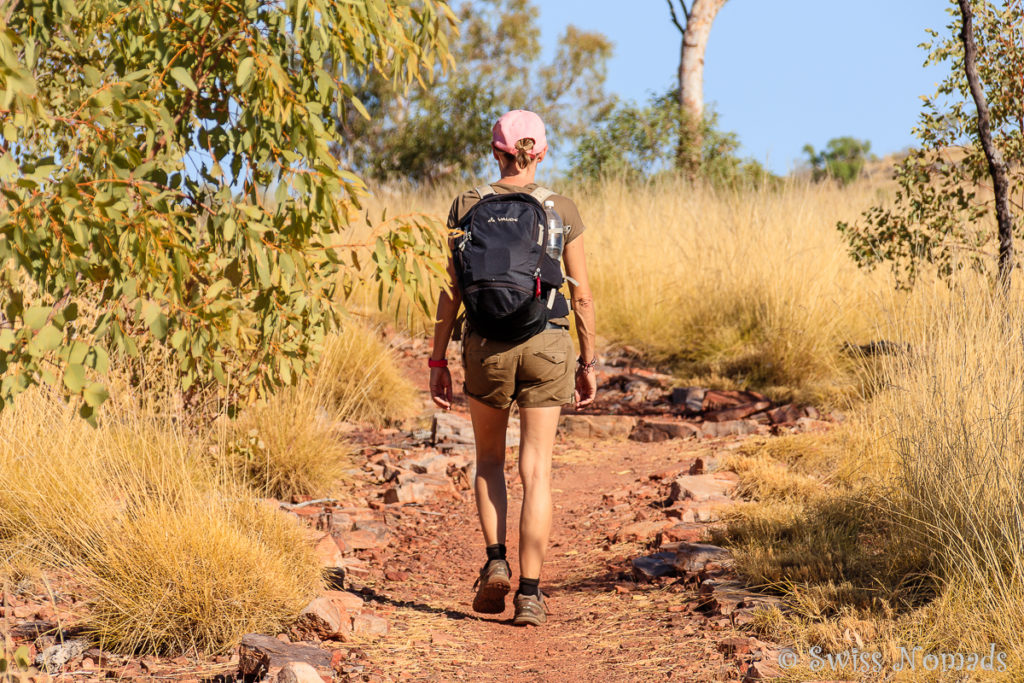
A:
[(571, 218), (453, 214)]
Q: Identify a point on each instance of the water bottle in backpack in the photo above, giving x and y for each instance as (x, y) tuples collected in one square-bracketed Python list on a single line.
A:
[(556, 231)]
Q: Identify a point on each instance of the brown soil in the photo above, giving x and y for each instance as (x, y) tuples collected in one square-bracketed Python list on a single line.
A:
[(602, 625)]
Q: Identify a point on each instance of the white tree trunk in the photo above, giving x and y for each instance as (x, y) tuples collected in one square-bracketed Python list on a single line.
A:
[(691, 65)]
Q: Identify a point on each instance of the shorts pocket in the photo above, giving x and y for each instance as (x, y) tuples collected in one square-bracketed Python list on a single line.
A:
[(545, 365)]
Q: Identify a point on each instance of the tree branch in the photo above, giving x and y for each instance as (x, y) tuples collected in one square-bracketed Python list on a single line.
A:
[(675, 19)]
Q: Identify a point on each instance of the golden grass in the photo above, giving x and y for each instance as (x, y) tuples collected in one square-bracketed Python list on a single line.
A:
[(171, 554), (359, 378), (749, 287), (288, 445), (291, 444)]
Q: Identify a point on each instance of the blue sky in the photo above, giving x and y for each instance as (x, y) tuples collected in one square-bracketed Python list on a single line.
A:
[(780, 74)]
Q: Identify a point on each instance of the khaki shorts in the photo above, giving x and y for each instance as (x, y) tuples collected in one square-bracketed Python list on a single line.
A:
[(536, 373)]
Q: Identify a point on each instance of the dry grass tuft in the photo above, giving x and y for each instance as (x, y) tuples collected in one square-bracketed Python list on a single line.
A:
[(173, 556), (196, 577), (360, 379), (287, 445), (956, 415), (290, 444)]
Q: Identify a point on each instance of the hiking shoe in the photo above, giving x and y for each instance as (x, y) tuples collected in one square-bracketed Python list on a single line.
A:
[(529, 610), (493, 585)]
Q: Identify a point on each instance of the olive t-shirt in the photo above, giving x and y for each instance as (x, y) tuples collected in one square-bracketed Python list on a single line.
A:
[(565, 207)]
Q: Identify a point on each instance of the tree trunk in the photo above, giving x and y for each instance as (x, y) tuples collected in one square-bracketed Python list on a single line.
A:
[(996, 164), (691, 81)]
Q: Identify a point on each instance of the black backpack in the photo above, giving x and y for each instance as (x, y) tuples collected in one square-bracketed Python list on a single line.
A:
[(509, 284)]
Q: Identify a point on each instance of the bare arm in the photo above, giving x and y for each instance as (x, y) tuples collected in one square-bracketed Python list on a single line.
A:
[(447, 310), (583, 309), (582, 299)]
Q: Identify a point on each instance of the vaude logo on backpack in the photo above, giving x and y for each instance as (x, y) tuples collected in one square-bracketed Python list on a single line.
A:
[(508, 282)]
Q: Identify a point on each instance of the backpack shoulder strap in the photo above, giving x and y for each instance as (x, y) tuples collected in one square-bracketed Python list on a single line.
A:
[(541, 193), (484, 191)]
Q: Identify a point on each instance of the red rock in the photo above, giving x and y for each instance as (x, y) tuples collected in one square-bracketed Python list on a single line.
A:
[(370, 625), (323, 619), (687, 533), (699, 487), (676, 608), (298, 672), (328, 552), (713, 430), (736, 412), (394, 575), (442, 638), (640, 531), (259, 655), (345, 601), (24, 611), (697, 467), (337, 658), (717, 400), (362, 539)]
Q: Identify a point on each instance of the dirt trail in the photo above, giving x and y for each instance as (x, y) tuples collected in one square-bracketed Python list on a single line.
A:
[(603, 625)]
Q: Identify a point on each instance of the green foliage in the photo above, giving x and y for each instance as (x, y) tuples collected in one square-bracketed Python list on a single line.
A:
[(14, 664), (636, 141), (444, 130), (842, 159), (941, 217), (166, 179)]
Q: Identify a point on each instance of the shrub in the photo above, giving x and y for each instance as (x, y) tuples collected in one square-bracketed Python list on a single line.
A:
[(842, 159)]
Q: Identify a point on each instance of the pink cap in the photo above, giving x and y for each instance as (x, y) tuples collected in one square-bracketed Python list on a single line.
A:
[(516, 125)]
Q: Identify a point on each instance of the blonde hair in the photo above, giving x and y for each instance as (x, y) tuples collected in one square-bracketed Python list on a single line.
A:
[(522, 156), (523, 148)]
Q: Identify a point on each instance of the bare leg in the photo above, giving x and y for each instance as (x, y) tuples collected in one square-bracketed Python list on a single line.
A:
[(489, 426), (538, 428)]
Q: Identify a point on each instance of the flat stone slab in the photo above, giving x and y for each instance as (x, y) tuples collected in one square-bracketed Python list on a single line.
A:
[(596, 426), (701, 487)]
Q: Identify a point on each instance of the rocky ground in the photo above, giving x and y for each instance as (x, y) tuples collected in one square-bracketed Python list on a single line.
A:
[(634, 593)]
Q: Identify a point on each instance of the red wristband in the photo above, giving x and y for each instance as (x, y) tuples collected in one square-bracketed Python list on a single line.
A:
[(431, 363)]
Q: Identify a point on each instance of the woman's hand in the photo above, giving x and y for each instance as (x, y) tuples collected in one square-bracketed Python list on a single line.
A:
[(441, 387), (586, 386)]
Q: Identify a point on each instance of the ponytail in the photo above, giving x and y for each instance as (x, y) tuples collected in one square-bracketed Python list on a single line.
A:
[(523, 157)]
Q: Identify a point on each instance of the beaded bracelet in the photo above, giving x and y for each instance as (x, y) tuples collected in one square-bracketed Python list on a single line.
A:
[(586, 367)]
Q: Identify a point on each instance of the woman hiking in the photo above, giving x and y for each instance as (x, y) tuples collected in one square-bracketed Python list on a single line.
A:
[(537, 372)]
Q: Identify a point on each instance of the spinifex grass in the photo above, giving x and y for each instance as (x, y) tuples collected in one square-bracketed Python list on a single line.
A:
[(171, 554), (741, 287)]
